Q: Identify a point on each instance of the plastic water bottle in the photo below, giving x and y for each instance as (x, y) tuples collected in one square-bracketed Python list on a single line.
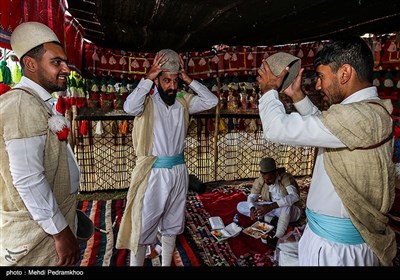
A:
[(236, 218)]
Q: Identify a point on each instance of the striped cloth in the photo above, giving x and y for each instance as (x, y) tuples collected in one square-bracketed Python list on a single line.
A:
[(100, 249)]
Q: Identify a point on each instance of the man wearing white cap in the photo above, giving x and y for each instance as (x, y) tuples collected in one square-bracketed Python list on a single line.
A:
[(156, 198), (39, 174)]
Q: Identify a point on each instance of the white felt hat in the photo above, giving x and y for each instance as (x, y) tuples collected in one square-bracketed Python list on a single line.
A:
[(278, 61), (29, 35), (173, 61)]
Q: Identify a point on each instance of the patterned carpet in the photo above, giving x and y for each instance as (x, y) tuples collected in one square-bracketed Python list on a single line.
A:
[(196, 246)]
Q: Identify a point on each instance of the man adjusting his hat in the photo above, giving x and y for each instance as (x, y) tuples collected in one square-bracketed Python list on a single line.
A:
[(156, 198)]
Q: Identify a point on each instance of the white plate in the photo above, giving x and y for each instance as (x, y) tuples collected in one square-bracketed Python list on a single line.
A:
[(229, 231), (262, 226), (253, 232)]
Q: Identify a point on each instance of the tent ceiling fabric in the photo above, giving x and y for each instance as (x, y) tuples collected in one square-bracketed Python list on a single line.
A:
[(191, 25)]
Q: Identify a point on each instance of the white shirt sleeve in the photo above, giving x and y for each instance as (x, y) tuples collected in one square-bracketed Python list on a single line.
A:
[(134, 103), (251, 199), (293, 129), (291, 198), (306, 107), (27, 170), (204, 99)]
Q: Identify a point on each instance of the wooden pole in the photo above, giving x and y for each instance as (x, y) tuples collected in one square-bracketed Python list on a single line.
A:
[(217, 112)]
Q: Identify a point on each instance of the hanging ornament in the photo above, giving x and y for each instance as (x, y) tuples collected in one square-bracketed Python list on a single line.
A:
[(99, 128), (124, 127), (122, 61), (202, 61), (250, 56), (103, 59), (222, 127), (60, 126), (114, 128), (84, 127), (392, 47), (241, 125), (215, 59), (253, 126), (61, 107), (135, 64), (191, 62), (112, 60), (146, 63), (4, 88), (234, 57), (95, 56), (6, 73), (300, 53), (227, 56), (17, 73)]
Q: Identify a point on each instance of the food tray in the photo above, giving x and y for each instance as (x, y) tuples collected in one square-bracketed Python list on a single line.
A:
[(253, 232), (262, 226)]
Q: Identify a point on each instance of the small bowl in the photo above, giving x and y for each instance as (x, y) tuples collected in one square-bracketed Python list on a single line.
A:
[(264, 238)]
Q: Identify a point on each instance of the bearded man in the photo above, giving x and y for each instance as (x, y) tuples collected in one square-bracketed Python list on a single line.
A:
[(156, 198)]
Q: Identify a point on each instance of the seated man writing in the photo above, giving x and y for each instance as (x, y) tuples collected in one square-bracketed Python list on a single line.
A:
[(274, 194)]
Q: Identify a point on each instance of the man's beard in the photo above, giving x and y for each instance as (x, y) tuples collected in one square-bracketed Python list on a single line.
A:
[(168, 98)]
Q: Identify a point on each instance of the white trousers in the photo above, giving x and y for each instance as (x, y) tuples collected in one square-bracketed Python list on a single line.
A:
[(164, 203), (317, 251)]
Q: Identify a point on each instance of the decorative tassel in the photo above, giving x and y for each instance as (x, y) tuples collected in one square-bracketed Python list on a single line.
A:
[(17, 74), (99, 128), (6, 73), (222, 127), (114, 128), (61, 107), (60, 126), (191, 62), (123, 127), (4, 88), (253, 126), (241, 125), (84, 127)]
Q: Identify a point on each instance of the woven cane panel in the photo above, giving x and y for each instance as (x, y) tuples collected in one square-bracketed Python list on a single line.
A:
[(106, 157)]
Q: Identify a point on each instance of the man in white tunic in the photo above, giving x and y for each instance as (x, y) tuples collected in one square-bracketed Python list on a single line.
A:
[(39, 176), (352, 187), (156, 198)]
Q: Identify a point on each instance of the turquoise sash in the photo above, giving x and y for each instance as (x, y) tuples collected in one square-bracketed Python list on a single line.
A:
[(340, 230), (169, 161)]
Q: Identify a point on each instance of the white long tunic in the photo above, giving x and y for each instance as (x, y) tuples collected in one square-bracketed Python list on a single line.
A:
[(165, 196)]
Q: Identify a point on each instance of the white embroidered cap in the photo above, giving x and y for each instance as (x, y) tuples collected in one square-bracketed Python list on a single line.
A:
[(29, 35), (173, 61)]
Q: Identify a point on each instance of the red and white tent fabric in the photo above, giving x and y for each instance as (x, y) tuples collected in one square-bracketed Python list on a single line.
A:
[(50, 12)]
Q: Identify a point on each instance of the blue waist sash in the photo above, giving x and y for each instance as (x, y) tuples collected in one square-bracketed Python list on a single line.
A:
[(169, 161), (340, 230)]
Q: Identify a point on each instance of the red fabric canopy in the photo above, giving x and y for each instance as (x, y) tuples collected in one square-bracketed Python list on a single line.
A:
[(49, 12)]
